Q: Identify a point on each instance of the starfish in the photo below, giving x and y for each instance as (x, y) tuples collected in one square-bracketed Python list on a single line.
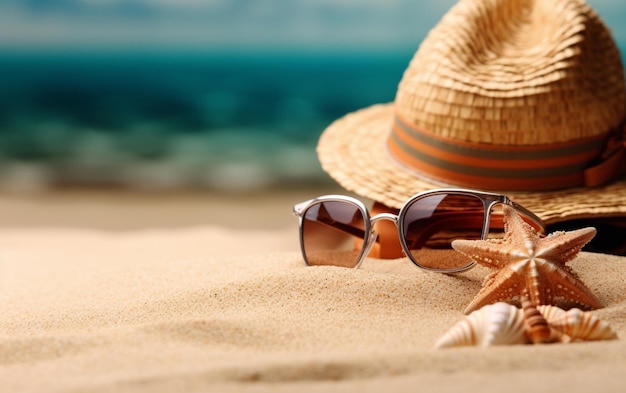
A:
[(530, 266)]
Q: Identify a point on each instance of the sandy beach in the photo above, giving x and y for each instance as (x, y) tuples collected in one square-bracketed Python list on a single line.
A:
[(135, 293)]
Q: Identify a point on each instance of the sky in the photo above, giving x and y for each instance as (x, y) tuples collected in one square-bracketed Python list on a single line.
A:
[(238, 24)]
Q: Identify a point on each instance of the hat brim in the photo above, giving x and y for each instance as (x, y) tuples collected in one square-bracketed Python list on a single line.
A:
[(353, 151)]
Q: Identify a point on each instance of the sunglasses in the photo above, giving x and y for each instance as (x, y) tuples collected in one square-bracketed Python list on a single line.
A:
[(338, 230)]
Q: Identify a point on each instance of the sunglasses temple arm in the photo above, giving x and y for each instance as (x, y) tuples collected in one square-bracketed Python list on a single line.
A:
[(298, 209)]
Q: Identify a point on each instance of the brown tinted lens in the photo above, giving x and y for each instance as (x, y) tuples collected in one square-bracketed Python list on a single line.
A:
[(433, 222), (329, 234)]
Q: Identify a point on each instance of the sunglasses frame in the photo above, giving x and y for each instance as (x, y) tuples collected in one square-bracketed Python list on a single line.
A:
[(488, 199)]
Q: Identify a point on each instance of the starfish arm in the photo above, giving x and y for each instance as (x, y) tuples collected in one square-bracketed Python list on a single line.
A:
[(515, 226), (562, 247), (485, 252), (501, 286), (562, 287), (538, 287)]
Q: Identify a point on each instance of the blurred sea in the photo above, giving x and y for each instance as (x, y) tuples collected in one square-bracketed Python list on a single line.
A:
[(164, 120), (179, 120)]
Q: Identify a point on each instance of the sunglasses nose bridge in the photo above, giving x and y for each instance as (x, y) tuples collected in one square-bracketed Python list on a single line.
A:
[(385, 216), (384, 243)]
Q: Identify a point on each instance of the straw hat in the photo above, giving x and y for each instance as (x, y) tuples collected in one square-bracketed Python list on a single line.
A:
[(523, 97)]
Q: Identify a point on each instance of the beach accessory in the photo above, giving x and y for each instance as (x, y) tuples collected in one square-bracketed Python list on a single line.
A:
[(526, 265), (504, 324), (523, 97), (338, 230)]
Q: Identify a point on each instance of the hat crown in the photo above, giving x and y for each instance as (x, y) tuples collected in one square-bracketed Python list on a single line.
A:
[(515, 72)]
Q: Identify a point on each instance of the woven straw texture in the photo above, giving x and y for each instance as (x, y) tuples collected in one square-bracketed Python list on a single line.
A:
[(515, 72), (502, 72)]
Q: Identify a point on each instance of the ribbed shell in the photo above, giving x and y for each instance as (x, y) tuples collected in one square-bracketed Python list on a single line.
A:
[(577, 325), (550, 313), (495, 324), (537, 328), (503, 324)]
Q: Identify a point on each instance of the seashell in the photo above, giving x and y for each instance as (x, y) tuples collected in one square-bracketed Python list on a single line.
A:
[(496, 324), (577, 325), (537, 328), (504, 324), (550, 313)]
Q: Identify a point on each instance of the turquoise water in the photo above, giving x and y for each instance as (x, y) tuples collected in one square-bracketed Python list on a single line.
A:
[(162, 120), (170, 120)]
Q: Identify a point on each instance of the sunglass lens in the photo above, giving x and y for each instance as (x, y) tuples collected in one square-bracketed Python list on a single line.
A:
[(430, 224), (333, 234)]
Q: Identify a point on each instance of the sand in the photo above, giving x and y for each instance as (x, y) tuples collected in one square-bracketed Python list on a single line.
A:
[(212, 307)]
